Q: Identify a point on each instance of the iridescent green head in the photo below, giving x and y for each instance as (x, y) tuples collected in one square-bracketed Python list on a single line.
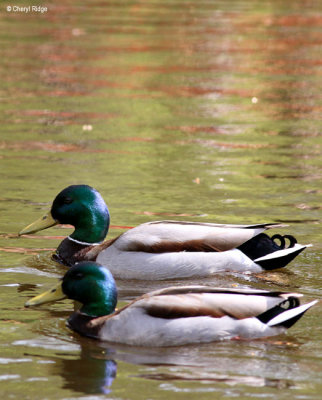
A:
[(80, 206), (87, 282), (93, 286), (84, 208)]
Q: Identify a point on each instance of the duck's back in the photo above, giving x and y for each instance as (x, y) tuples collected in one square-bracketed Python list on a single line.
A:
[(168, 249), (167, 236)]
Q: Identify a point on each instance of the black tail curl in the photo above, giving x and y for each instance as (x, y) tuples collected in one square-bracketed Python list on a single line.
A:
[(262, 244), (281, 238), (287, 304)]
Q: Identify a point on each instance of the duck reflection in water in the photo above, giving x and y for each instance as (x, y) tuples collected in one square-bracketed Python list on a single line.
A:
[(95, 370), (92, 373)]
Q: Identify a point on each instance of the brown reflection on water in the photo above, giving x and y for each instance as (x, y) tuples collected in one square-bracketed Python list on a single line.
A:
[(58, 147), (65, 114), (226, 46), (23, 250), (291, 56)]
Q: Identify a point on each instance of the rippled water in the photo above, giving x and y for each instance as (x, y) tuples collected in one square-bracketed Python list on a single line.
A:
[(207, 110)]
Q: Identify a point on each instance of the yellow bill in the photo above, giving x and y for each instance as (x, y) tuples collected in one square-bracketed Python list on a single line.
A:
[(42, 223), (54, 294)]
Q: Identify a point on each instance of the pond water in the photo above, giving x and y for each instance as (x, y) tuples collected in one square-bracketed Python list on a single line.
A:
[(189, 110)]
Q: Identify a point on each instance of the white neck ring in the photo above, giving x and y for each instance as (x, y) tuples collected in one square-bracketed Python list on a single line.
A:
[(83, 243)]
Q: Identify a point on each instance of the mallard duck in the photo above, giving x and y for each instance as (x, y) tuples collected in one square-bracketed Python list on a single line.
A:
[(172, 316), (160, 249)]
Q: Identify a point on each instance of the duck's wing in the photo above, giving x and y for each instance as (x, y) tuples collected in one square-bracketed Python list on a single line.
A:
[(210, 224), (174, 236), (195, 301)]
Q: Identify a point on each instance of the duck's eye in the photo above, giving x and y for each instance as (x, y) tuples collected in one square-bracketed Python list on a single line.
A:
[(67, 200), (79, 275)]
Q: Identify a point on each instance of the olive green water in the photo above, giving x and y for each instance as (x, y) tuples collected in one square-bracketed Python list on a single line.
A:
[(191, 110)]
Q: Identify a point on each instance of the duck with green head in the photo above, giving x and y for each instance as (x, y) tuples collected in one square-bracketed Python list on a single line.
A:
[(161, 249), (173, 316)]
